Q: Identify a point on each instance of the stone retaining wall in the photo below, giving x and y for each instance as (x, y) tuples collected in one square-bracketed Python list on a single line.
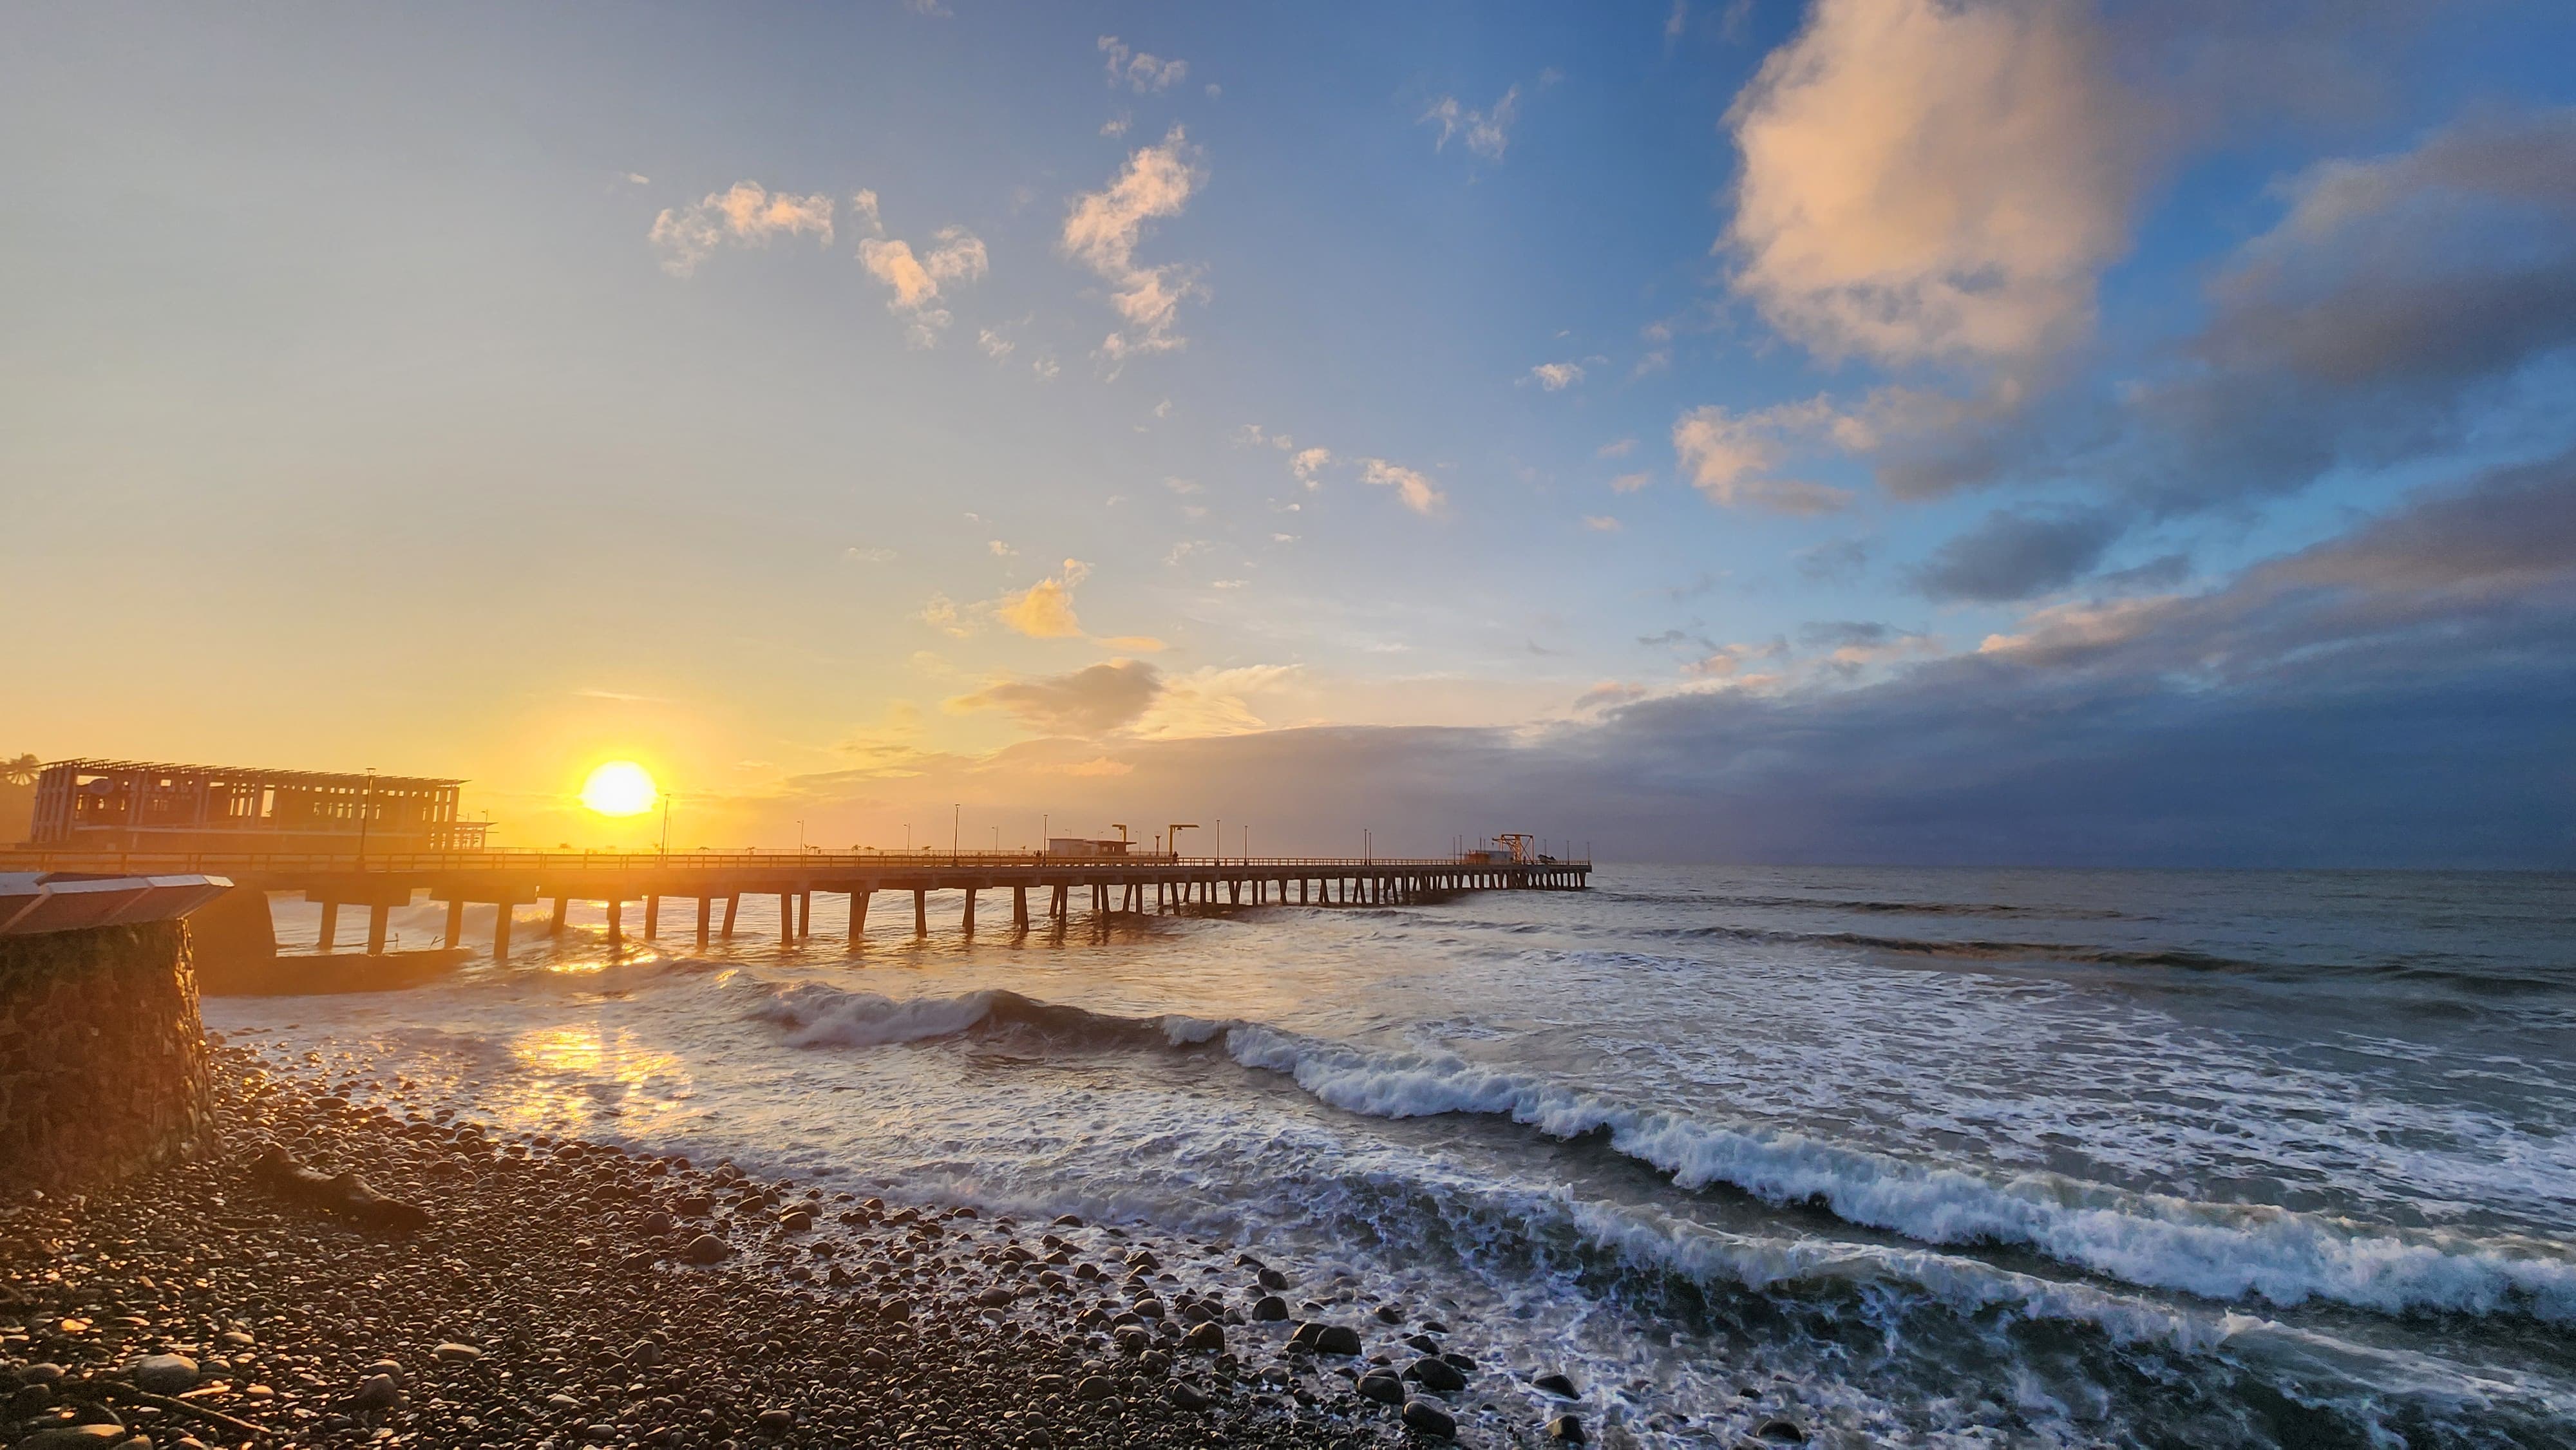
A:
[(102, 1057)]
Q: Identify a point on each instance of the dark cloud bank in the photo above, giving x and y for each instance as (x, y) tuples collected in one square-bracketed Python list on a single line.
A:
[(2402, 695)]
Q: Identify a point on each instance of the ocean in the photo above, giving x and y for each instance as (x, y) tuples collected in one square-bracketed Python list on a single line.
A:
[(1915, 1157)]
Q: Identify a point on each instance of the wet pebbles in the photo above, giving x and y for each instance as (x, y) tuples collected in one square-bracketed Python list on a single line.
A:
[(569, 1294)]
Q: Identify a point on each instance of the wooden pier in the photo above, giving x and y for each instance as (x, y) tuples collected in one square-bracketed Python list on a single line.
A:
[(711, 885)]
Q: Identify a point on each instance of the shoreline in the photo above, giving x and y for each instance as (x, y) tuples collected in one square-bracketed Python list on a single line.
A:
[(567, 1293)]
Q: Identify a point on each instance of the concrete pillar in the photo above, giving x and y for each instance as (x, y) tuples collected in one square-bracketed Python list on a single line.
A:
[(1019, 908), (455, 924), (616, 920), (561, 906), (733, 903), (968, 916), (804, 914), (501, 933), (859, 913), (706, 909), (330, 925), (787, 917), (920, 912), (376, 915), (652, 916)]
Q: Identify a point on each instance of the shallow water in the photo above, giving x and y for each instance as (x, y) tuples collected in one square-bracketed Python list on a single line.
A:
[(1924, 1157)]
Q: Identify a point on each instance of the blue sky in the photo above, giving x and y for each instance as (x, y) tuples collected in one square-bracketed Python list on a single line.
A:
[(748, 390)]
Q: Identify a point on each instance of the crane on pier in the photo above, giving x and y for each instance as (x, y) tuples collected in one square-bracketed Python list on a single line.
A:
[(1172, 835)]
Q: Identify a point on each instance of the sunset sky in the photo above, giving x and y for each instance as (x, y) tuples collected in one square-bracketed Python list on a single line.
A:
[(1915, 430)]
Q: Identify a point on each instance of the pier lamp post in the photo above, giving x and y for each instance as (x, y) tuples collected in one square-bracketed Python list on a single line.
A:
[(366, 812)]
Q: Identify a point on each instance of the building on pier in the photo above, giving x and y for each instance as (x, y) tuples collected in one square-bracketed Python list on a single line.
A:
[(140, 806)]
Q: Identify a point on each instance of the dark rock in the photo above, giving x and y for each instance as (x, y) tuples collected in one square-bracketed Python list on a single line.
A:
[(1148, 1308), (1335, 1339), (777, 1422), (41, 1374), (1782, 1432), (1382, 1386), (1206, 1338), (1271, 1279), (706, 1249), (163, 1374), (1565, 1430), (454, 1353), (1066, 1220), (1269, 1308), (895, 1311), (379, 1392), (1389, 1314), (1557, 1385), (1436, 1374), (73, 1437), (1423, 1342), (1187, 1396), (1425, 1418), (1095, 1387)]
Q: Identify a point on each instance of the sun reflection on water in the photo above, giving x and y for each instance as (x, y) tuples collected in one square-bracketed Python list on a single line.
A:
[(576, 1076)]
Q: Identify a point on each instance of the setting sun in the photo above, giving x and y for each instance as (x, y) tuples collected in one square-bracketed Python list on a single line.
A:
[(619, 788)]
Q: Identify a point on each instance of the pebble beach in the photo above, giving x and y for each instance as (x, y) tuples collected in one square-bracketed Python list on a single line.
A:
[(564, 1293)]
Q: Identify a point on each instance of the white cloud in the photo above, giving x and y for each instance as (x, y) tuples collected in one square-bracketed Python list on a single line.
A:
[(998, 549), (956, 256), (1731, 457), (1486, 133), (747, 215), (1412, 487), (867, 556), (1211, 701), (1116, 126), (1556, 377), (1102, 231), (1630, 482), (1934, 179), (995, 345), (1308, 463), (1140, 71), (1601, 523), (1616, 448)]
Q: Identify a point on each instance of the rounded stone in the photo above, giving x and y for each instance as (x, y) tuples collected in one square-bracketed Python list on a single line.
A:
[(164, 1374), (1565, 1430), (1426, 1418)]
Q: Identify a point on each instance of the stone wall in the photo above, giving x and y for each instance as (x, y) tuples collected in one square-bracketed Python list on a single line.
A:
[(102, 1058)]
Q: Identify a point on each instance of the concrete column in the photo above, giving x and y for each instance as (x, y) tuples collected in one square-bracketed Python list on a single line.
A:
[(804, 914), (376, 915), (501, 933), (652, 916), (455, 924), (787, 917), (706, 909), (330, 925), (1019, 908), (732, 904), (561, 906), (859, 913), (920, 912), (616, 920)]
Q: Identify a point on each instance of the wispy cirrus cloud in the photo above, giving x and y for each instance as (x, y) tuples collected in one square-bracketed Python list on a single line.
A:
[(955, 256), (1102, 230), (1486, 133), (744, 215), (1140, 71)]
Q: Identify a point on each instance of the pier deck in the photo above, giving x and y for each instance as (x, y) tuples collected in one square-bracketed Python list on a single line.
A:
[(708, 880)]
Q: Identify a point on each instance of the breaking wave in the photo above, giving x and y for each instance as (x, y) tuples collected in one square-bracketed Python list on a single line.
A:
[(2216, 1251)]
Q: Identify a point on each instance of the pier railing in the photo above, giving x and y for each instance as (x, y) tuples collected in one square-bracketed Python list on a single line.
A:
[(529, 859)]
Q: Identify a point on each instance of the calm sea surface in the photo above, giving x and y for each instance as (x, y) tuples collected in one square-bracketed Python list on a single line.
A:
[(1917, 1157)]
